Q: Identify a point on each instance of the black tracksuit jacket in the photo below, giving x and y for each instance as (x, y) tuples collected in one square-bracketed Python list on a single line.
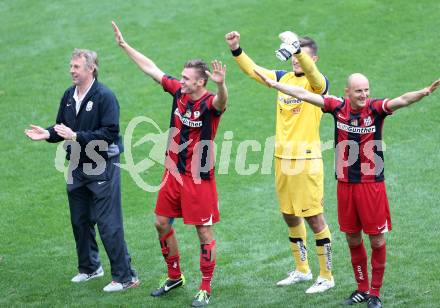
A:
[(97, 119)]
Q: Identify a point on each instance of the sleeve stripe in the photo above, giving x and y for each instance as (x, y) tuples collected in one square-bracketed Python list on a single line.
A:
[(385, 106)]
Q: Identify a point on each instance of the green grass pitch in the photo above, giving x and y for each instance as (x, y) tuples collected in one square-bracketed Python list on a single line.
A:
[(395, 43)]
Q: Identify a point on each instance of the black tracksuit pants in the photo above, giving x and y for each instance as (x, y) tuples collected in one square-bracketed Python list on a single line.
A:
[(96, 200)]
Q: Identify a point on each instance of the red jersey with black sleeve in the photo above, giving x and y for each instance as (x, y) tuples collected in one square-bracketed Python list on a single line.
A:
[(358, 139), (193, 125)]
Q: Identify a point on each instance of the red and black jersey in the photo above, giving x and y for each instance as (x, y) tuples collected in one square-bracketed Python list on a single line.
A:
[(358, 139), (193, 126)]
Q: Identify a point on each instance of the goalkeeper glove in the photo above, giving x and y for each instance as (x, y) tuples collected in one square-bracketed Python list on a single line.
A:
[(289, 46)]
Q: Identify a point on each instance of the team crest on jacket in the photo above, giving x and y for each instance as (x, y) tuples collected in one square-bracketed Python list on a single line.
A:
[(196, 114), (367, 121), (89, 106)]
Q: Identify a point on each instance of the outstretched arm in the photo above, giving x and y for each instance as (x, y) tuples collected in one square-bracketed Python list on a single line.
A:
[(37, 133), (295, 91), (412, 97), (218, 76), (144, 63)]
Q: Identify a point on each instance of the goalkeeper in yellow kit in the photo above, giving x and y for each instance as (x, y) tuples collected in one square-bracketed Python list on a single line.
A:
[(298, 160)]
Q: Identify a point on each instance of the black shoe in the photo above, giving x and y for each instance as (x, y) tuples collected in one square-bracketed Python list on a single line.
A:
[(374, 302), (168, 285), (356, 297)]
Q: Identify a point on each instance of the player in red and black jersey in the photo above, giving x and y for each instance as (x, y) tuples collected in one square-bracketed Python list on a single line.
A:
[(358, 135), (193, 120), (362, 200), (189, 189)]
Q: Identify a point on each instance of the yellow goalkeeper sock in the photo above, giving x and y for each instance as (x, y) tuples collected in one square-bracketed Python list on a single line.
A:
[(298, 244), (324, 252)]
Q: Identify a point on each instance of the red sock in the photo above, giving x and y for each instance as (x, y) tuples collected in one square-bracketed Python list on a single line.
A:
[(360, 268), (207, 265), (378, 260), (173, 262)]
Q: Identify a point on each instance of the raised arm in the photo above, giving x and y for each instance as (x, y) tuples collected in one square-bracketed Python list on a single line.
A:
[(412, 97), (295, 91), (218, 76), (291, 46), (144, 63), (313, 75), (247, 65)]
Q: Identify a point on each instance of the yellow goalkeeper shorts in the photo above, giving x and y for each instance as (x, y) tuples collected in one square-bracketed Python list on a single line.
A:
[(300, 186)]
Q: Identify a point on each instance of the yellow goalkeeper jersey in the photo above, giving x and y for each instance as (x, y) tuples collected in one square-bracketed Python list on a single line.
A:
[(297, 122)]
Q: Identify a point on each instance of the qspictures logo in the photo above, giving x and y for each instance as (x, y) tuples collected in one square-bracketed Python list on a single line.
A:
[(147, 146)]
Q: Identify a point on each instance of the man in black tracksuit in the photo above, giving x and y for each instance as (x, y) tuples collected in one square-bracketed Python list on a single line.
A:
[(88, 119)]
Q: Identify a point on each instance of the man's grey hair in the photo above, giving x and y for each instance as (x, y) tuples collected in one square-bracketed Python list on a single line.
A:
[(91, 59)]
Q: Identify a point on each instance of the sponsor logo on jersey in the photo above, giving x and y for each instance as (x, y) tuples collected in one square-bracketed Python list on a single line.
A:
[(296, 110), (354, 122), (289, 100), (196, 114), (185, 121), (356, 130)]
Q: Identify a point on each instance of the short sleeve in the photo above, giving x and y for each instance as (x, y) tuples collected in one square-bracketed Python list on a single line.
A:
[(211, 107), (170, 84), (381, 106)]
